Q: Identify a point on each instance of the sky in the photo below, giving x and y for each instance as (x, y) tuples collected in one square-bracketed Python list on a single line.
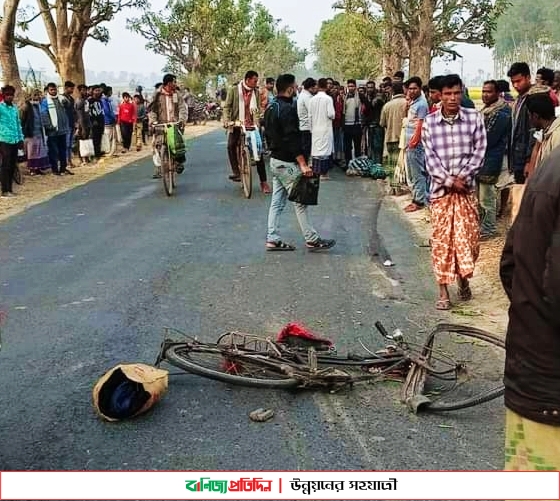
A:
[(126, 52)]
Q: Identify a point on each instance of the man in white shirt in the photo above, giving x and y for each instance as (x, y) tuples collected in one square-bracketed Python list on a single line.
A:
[(309, 89), (321, 116)]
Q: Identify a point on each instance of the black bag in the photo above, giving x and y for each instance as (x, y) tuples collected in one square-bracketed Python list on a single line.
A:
[(305, 190)]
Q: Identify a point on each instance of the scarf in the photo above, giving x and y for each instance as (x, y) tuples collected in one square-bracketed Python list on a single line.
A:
[(51, 107), (490, 113), (252, 106)]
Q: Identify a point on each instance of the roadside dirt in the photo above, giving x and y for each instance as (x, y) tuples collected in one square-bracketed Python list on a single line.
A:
[(39, 189), (489, 307)]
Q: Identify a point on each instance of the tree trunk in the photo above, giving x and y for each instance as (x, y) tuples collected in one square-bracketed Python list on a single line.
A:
[(422, 43), (8, 60), (71, 65), (391, 63)]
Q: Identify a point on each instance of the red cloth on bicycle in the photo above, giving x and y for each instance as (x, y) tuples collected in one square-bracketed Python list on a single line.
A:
[(298, 330)]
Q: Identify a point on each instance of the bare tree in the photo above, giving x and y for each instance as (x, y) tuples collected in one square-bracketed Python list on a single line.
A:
[(8, 61), (69, 23)]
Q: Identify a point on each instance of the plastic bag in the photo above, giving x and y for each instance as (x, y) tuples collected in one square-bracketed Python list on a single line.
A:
[(305, 190), (176, 143), (86, 148), (128, 390)]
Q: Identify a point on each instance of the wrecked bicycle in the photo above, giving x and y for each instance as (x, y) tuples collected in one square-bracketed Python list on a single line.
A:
[(453, 369)]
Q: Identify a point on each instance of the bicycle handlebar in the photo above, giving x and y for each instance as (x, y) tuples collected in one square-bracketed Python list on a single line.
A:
[(397, 336), (167, 124)]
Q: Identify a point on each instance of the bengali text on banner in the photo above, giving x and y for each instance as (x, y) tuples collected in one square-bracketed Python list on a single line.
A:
[(290, 485)]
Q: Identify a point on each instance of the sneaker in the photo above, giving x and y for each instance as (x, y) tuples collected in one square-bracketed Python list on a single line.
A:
[(68, 172), (156, 176), (320, 245), (8, 194), (235, 179)]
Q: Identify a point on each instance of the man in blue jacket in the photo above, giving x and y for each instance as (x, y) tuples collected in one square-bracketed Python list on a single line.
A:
[(110, 120), (497, 120)]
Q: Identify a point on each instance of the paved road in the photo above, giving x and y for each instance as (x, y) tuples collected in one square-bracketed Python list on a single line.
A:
[(90, 278)]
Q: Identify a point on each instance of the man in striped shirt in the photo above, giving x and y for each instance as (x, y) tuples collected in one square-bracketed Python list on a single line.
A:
[(455, 142)]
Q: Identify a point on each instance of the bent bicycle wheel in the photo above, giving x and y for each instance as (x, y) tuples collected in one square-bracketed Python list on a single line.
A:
[(464, 368), (246, 172), (215, 364)]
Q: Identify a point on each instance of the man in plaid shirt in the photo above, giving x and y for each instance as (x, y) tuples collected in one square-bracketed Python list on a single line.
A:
[(454, 139)]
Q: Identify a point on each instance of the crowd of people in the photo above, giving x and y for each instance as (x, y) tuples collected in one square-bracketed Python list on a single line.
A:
[(454, 159)]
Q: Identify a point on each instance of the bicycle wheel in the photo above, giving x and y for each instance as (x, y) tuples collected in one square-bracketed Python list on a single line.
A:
[(167, 171), (464, 369), (215, 363), (18, 177), (246, 172)]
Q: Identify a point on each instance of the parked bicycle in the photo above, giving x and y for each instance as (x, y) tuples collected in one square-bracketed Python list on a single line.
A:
[(246, 156), (169, 167), (453, 369)]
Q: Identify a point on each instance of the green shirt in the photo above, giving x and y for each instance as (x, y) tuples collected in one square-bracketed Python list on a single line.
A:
[(10, 126)]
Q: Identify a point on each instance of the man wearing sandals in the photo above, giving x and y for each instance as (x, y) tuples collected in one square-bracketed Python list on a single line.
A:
[(455, 143), (287, 164)]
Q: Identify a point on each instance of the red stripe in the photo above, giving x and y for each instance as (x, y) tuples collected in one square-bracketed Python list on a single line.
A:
[(280, 485)]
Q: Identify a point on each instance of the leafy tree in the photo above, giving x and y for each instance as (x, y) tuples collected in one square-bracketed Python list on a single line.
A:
[(69, 24), (211, 37), (528, 32), (424, 27), (349, 46)]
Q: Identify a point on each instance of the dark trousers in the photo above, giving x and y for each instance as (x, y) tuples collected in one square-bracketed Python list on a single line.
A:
[(57, 152), (306, 144), (352, 137), (126, 133), (376, 140), (8, 156), (233, 140), (97, 130)]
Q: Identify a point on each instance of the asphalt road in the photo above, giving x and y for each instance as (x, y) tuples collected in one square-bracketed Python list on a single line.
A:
[(90, 278)]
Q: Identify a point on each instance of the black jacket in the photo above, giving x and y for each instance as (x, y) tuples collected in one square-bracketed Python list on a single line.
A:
[(530, 273), (27, 118), (522, 140), (282, 130)]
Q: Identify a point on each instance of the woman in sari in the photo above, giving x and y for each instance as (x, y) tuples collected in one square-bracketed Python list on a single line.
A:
[(35, 144)]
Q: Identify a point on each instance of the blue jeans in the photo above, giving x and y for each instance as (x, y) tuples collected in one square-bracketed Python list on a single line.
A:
[(69, 145), (487, 199), (284, 175), (417, 175), (58, 152)]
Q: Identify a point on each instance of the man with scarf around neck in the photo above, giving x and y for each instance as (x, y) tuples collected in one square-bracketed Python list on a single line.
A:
[(166, 107), (243, 104), (454, 139), (497, 120), (352, 122), (57, 127)]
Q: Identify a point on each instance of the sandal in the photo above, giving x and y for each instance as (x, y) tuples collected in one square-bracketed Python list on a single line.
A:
[(320, 244), (279, 246), (443, 304)]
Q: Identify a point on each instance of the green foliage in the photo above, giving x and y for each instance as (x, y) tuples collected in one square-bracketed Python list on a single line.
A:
[(349, 46), (529, 31), (218, 37)]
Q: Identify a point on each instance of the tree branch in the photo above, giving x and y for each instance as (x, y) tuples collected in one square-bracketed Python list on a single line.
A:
[(45, 47), (50, 26)]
